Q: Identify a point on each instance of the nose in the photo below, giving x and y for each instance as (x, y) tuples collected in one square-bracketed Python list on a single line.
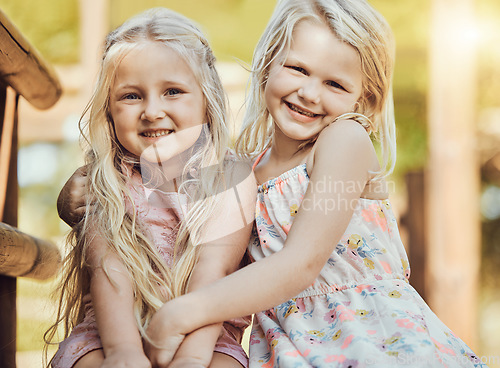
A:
[(154, 109), (310, 91)]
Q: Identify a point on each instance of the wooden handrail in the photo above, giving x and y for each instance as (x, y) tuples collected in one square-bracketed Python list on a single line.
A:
[(23, 68), (24, 255)]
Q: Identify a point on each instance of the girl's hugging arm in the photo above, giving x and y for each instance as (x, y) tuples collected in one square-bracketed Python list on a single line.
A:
[(72, 200), (113, 299), (226, 237), (343, 153)]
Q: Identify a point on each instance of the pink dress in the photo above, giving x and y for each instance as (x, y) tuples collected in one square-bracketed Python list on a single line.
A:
[(360, 311), (162, 224)]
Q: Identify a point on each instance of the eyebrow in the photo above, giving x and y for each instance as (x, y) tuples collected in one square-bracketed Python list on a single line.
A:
[(169, 83), (125, 86)]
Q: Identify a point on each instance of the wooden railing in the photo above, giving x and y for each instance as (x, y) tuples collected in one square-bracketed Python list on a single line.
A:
[(23, 72)]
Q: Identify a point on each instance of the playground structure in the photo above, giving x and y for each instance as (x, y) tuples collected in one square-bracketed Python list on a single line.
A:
[(23, 72)]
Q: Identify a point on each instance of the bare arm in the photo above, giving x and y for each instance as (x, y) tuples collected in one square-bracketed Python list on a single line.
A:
[(226, 238), (344, 152), (113, 304)]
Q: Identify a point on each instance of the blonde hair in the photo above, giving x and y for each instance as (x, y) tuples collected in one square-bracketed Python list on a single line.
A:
[(352, 21), (153, 282)]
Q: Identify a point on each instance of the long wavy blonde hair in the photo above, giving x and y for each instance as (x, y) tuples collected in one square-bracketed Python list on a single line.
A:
[(153, 281), (352, 21)]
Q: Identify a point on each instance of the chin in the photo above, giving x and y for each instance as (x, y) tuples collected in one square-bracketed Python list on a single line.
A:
[(160, 156), (301, 136)]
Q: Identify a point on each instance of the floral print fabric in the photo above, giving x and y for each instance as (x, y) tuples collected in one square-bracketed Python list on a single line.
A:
[(360, 311)]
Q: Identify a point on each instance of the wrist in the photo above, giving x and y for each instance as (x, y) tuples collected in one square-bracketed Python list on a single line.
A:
[(185, 314), (121, 346)]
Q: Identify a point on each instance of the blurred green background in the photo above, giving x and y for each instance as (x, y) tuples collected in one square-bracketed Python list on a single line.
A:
[(233, 28)]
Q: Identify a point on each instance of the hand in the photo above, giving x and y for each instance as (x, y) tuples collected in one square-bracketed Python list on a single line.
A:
[(165, 337), (71, 203), (186, 363), (197, 349), (126, 356)]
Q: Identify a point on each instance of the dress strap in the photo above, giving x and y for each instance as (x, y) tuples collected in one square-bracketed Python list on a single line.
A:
[(257, 160)]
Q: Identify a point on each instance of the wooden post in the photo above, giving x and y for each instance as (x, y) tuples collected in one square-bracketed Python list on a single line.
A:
[(414, 220), (94, 25), (9, 216), (452, 188)]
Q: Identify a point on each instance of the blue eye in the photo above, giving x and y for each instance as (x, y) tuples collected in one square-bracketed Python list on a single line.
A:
[(131, 96), (173, 91)]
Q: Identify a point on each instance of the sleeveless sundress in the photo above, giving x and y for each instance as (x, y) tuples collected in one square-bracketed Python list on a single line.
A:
[(360, 311), (159, 214)]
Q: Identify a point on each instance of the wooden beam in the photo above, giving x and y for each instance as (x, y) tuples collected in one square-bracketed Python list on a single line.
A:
[(94, 26), (8, 284), (414, 220), (23, 68), (24, 255), (452, 187)]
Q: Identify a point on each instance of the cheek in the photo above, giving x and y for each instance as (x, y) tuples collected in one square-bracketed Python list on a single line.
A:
[(273, 91), (338, 105), (123, 129), (280, 85), (277, 82), (190, 113), (121, 135), (120, 116)]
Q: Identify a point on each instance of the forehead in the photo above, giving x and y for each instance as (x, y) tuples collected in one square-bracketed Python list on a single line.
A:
[(155, 60), (315, 41)]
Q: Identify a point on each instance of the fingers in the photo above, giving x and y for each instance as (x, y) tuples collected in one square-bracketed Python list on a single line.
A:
[(159, 358), (174, 364), (162, 354)]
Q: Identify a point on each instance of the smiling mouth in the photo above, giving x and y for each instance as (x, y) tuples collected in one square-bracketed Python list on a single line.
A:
[(300, 111), (155, 134)]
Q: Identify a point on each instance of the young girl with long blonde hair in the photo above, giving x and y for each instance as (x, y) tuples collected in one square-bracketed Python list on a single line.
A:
[(166, 215), (329, 281)]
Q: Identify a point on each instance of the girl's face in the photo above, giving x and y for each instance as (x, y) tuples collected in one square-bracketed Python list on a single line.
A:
[(319, 80), (156, 99)]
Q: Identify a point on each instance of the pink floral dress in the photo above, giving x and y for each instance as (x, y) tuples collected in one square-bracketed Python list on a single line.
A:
[(161, 221), (360, 311)]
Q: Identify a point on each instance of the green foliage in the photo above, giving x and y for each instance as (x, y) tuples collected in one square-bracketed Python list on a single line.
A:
[(488, 58), (232, 26), (35, 312), (51, 26)]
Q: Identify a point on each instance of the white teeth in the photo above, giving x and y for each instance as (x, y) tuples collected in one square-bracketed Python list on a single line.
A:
[(296, 109), (156, 134)]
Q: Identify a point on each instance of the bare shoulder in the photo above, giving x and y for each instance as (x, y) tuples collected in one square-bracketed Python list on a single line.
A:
[(344, 140), (347, 131)]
